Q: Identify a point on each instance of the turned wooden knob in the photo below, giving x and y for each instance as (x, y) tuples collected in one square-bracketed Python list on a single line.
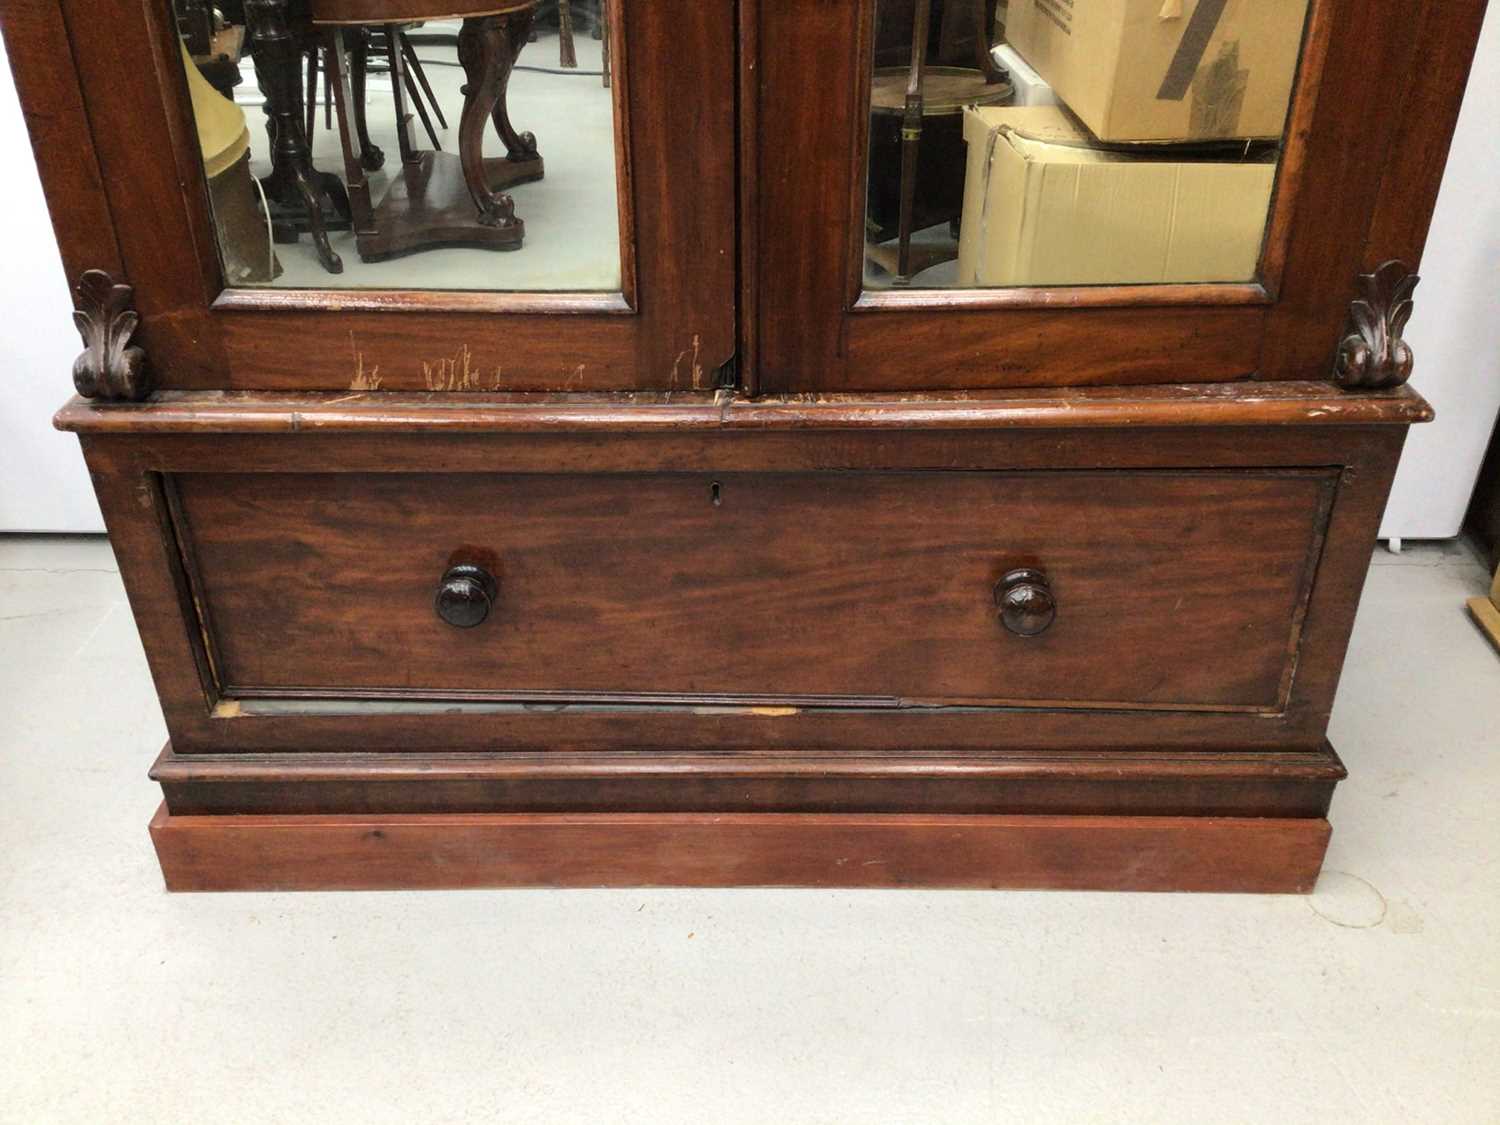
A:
[(465, 595), (1024, 602)]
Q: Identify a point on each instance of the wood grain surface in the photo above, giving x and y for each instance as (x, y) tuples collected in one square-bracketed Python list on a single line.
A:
[(1150, 782), (129, 470), (1261, 404), (456, 850), (97, 122), (1358, 181), (1175, 590)]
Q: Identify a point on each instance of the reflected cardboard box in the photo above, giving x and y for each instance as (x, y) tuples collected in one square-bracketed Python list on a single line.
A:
[(1044, 204), (1165, 70)]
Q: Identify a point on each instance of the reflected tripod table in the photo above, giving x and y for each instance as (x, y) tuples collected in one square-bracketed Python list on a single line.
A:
[(300, 198)]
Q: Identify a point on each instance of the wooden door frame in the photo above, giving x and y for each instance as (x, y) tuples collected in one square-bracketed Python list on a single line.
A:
[(118, 159), (1358, 206), (1371, 122)]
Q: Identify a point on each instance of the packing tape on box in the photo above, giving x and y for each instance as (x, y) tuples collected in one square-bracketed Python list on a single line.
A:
[(1190, 51)]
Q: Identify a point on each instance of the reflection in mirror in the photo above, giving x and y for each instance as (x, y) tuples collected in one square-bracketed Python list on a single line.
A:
[(405, 144), (1075, 142)]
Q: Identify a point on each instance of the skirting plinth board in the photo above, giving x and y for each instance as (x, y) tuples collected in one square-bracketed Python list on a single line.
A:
[(463, 850)]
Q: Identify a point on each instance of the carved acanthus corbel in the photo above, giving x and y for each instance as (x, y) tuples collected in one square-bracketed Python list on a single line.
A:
[(110, 367), (1373, 355)]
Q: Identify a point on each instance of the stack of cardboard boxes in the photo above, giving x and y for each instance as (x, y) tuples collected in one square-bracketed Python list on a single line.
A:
[(1148, 170)]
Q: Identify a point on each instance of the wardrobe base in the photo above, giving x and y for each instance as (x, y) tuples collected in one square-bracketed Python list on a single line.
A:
[(464, 850)]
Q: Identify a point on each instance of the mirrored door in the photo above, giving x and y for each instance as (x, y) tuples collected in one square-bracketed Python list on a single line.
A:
[(467, 195), (966, 194)]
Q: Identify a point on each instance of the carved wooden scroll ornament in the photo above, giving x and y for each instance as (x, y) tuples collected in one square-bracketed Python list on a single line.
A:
[(110, 367), (1373, 355)]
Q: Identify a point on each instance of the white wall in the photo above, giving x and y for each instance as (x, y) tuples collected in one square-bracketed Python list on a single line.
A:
[(1455, 332), (43, 484)]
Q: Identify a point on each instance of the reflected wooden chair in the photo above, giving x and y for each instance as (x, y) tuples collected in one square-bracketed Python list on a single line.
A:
[(436, 198), (359, 43)]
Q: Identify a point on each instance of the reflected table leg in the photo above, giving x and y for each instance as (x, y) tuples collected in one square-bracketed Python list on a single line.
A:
[(485, 50), (438, 198), (295, 190), (520, 147), (357, 45)]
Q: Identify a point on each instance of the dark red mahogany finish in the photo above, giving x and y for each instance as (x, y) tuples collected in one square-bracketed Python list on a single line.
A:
[(740, 574)]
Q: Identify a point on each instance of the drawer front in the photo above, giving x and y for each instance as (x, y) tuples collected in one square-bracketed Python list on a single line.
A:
[(1173, 589)]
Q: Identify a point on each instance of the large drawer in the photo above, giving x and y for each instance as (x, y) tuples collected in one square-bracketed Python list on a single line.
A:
[(1173, 589)]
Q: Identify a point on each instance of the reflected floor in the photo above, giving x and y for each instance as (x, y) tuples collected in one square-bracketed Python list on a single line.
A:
[(934, 256)]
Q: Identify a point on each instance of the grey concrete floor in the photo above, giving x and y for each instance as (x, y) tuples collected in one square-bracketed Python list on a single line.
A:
[(1375, 999)]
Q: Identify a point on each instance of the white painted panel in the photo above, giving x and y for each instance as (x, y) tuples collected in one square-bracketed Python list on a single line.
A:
[(1456, 330), (43, 483)]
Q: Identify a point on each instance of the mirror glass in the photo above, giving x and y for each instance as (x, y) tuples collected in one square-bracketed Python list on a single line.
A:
[(394, 144), (1018, 143)]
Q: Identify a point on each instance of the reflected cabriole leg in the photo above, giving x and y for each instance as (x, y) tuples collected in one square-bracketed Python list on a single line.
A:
[(485, 51), (517, 27), (357, 48)]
